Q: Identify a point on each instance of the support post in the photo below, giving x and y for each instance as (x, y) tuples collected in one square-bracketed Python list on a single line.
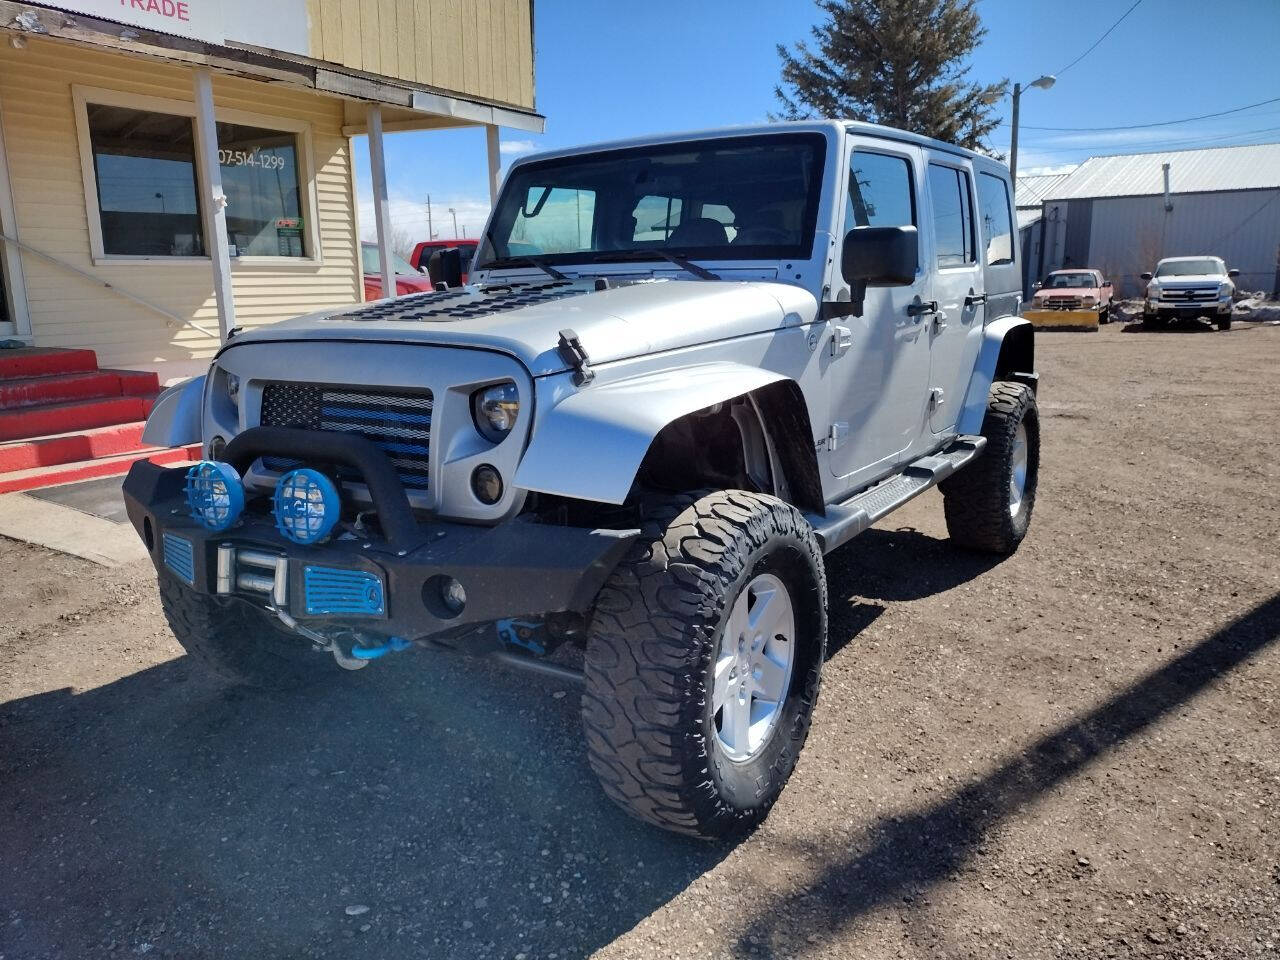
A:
[(1013, 139), (495, 156), (215, 201), (381, 209)]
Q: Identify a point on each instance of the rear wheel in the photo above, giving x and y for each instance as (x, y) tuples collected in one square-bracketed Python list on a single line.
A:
[(239, 643), (703, 660), (988, 504)]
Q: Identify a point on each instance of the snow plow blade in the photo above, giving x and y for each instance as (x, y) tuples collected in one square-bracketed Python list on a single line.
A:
[(1062, 319)]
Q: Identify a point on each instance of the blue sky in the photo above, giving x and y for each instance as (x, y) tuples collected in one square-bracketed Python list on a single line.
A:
[(609, 70)]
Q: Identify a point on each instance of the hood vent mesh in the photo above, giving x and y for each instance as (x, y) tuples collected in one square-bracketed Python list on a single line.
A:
[(464, 304)]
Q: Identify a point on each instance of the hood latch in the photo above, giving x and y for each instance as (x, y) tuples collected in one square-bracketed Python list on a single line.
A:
[(575, 354)]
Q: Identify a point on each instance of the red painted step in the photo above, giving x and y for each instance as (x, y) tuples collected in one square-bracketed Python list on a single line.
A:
[(27, 422), (45, 362), (70, 447), (32, 391), (137, 383), (92, 469)]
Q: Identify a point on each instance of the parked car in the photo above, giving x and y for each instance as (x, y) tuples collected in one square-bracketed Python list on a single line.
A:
[(642, 448), (1075, 290), (408, 279), (1187, 288), (421, 256)]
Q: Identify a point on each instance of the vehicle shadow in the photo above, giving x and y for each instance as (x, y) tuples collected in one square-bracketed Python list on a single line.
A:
[(882, 566), (900, 856), (436, 807), (1176, 326)]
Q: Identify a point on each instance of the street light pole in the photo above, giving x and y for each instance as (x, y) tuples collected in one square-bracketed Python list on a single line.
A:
[(1043, 83)]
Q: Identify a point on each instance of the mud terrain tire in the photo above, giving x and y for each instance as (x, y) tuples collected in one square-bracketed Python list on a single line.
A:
[(977, 500), (238, 643), (651, 651)]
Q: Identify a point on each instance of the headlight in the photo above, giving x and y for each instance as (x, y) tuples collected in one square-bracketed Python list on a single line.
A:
[(495, 410), (233, 388), (1153, 291), (1226, 289), (1090, 301)]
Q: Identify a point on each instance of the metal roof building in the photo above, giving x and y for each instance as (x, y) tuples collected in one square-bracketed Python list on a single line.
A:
[(1121, 214)]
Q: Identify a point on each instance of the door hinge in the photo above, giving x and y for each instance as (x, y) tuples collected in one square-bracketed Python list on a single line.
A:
[(838, 432), (939, 321), (937, 397), (841, 341)]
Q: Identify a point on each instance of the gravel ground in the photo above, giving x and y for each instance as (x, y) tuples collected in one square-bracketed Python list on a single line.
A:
[(1072, 753)]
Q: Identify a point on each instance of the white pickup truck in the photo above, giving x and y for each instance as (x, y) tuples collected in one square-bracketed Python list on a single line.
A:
[(1187, 288)]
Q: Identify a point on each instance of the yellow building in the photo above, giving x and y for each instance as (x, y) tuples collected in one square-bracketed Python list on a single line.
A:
[(171, 169)]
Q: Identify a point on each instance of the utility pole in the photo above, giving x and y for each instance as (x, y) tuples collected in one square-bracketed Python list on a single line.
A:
[(454, 214), (431, 234)]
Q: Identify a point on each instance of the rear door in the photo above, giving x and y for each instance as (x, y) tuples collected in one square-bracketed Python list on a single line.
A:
[(955, 331), (879, 361)]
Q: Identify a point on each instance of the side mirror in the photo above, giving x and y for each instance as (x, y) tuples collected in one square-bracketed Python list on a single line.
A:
[(1106, 283), (1145, 276), (445, 266), (1233, 273), (1037, 285), (879, 257)]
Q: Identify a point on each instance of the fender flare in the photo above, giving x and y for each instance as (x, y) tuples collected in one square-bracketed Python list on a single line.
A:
[(175, 418), (590, 445), (1007, 349)]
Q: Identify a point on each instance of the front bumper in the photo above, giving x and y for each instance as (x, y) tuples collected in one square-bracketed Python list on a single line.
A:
[(516, 569), (1184, 308)]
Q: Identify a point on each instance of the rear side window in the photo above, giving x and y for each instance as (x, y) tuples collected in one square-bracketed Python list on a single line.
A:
[(952, 216), (880, 193), (997, 225)]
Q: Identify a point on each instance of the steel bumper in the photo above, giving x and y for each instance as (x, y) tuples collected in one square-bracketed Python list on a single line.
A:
[(516, 569)]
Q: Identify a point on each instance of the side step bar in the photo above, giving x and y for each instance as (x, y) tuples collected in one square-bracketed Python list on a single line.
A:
[(846, 520)]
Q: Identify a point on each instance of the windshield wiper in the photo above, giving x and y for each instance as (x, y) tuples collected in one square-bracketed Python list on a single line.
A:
[(504, 262), (684, 263)]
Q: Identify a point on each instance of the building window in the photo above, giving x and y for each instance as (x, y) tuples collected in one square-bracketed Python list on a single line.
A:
[(261, 182), (997, 225), (952, 215), (144, 164)]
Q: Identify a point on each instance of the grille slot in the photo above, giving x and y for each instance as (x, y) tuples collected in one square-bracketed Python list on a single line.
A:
[(398, 421), (336, 592), (180, 557)]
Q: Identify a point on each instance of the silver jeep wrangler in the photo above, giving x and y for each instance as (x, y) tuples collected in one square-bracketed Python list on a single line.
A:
[(685, 368)]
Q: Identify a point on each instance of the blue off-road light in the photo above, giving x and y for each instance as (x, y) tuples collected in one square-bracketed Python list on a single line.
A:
[(306, 505), (215, 494)]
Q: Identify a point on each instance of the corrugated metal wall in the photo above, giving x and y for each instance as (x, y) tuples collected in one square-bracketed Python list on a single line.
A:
[(49, 198), (1129, 234), (478, 48)]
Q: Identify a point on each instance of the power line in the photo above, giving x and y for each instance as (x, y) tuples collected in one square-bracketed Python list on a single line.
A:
[(1151, 146), (1144, 126), (1099, 40)]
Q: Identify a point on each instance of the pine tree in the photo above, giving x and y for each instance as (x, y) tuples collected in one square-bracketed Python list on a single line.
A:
[(897, 62)]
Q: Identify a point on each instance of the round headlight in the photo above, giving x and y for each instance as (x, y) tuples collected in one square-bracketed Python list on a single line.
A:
[(495, 410), (215, 494), (486, 484), (306, 505), (233, 387)]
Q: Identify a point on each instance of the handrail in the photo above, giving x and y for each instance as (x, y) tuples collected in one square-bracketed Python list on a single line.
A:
[(172, 318)]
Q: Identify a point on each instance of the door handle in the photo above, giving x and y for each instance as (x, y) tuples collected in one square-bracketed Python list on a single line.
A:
[(975, 298), (920, 308)]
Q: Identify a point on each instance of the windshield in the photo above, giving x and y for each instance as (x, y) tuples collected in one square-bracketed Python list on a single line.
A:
[(372, 263), (1071, 280), (1190, 268), (726, 199)]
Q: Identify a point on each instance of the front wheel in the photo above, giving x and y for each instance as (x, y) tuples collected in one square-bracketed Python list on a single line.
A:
[(988, 504), (1224, 323), (703, 660)]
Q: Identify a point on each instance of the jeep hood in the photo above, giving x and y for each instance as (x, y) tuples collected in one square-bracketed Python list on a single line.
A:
[(525, 319)]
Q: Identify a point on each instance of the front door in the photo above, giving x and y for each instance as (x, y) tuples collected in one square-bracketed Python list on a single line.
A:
[(955, 331), (879, 360)]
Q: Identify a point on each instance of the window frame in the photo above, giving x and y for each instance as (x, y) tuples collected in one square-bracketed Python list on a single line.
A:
[(1009, 218), (964, 178), (82, 96)]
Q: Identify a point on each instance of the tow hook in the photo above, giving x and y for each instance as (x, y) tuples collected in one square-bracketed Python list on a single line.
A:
[(393, 645), (321, 642)]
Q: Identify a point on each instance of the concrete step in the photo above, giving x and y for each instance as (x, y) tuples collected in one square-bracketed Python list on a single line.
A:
[(16, 392), (39, 421), (45, 362), (118, 465), (71, 447)]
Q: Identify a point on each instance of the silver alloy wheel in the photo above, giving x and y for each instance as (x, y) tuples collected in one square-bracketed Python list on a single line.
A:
[(1018, 473), (752, 670)]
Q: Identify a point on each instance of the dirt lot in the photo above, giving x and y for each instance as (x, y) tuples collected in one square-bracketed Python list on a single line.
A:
[(1073, 753)]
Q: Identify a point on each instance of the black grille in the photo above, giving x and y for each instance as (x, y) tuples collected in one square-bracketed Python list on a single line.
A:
[(398, 421), (1191, 295)]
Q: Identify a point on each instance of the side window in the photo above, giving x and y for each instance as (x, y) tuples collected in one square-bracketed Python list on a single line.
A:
[(554, 220), (952, 215), (997, 225), (656, 217), (880, 193)]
